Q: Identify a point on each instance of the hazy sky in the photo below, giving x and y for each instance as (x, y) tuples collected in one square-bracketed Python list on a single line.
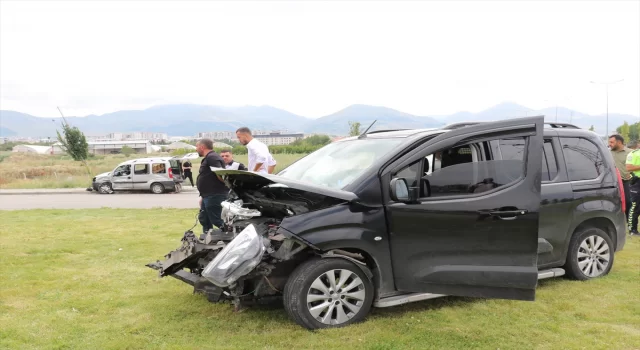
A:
[(314, 58)]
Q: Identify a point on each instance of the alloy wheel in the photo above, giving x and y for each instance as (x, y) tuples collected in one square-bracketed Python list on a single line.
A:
[(594, 256), (336, 296)]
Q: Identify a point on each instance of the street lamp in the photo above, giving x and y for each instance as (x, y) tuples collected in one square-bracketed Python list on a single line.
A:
[(607, 85)]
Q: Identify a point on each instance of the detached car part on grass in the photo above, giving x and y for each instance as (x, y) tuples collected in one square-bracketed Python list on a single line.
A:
[(360, 235)]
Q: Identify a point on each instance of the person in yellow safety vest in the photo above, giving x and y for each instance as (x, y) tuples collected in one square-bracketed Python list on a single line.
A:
[(633, 166)]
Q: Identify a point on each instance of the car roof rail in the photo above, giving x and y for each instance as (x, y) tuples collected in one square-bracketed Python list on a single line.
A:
[(385, 130), (562, 125), (459, 125)]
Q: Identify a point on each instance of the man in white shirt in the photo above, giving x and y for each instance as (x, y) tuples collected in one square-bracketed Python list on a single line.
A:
[(260, 160)]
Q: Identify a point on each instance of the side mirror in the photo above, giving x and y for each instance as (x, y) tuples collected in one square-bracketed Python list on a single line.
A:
[(399, 190), (117, 173)]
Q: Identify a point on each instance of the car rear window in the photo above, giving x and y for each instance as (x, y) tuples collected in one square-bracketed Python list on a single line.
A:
[(584, 159)]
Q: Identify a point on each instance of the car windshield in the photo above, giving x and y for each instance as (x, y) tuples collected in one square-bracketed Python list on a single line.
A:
[(338, 164)]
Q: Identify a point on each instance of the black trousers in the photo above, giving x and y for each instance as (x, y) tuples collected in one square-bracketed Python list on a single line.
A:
[(634, 213), (187, 175), (627, 196)]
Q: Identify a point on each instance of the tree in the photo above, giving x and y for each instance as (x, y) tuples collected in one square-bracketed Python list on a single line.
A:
[(73, 141), (592, 128), (354, 128), (624, 131), (127, 151)]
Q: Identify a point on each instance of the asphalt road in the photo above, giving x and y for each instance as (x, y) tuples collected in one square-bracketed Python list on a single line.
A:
[(88, 200)]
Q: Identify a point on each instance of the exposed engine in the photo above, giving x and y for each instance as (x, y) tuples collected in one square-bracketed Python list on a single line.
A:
[(263, 269)]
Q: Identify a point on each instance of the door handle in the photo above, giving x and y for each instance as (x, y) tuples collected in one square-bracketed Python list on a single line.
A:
[(507, 214)]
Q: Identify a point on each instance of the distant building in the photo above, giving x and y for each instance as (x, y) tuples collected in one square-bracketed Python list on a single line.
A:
[(278, 139), (112, 147), (3, 140), (137, 136), (217, 135), (33, 149), (180, 145)]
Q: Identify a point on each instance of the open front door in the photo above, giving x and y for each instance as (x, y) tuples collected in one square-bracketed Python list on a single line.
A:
[(473, 230)]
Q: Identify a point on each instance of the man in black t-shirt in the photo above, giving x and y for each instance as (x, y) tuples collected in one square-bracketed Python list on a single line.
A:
[(211, 187), (186, 167)]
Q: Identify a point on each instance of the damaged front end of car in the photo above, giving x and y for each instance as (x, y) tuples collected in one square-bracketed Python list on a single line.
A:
[(248, 260)]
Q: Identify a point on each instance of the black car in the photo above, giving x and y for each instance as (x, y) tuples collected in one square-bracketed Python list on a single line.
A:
[(391, 217)]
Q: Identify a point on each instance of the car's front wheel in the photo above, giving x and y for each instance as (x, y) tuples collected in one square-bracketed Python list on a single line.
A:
[(324, 293), (105, 188), (590, 254)]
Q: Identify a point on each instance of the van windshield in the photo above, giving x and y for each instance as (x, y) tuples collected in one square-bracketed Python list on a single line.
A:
[(337, 164)]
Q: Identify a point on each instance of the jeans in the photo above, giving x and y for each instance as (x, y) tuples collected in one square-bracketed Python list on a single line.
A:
[(210, 212)]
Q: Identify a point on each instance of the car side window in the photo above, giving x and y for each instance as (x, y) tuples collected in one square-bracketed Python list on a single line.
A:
[(123, 170), (159, 168), (461, 174), (410, 174), (584, 159), (141, 169)]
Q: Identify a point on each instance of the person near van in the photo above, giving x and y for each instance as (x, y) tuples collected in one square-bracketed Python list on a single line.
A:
[(227, 156), (210, 186), (633, 166), (620, 153), (186, 169), (259, 157), (272, 164)]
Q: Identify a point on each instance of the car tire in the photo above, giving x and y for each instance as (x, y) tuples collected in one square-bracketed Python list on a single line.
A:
[(310, 300), (157, 188), (105, 188), (590, 254)]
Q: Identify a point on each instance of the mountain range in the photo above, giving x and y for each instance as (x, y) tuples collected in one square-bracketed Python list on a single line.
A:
[(188, 120)]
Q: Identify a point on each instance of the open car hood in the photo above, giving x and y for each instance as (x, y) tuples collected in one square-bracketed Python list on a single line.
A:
[(241, 180)]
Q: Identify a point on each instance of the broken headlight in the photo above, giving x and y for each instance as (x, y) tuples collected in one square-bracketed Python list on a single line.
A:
[(237, 259)]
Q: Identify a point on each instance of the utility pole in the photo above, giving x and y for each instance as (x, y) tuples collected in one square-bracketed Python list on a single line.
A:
[(607, 89)]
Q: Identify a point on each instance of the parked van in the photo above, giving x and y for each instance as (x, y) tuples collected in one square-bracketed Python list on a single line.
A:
[(158, 175)]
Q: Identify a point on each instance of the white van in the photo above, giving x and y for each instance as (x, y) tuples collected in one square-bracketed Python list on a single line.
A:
[(158, 175)]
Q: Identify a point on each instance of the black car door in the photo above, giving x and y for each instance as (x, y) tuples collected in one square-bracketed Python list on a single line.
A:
[(473, 228)]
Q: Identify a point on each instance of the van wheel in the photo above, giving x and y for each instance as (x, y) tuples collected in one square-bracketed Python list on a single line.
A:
[(328, 293), (105, 188), (590, 254), (157, 188)]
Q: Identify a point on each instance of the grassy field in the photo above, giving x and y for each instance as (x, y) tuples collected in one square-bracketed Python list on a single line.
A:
[(46, 171), (77, 280)]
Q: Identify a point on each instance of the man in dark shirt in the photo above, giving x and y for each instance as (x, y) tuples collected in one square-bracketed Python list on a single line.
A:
[(231, 164), (186, 167), (211, 187)]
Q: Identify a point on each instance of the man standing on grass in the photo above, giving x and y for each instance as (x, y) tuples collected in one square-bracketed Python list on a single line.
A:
[(229, 163), (620, 153), (211, 187), (260, 160)]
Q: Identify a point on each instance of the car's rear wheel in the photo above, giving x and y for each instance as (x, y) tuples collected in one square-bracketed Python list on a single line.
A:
[(105, 188), (590, 254), (325, 293), (157, 188)]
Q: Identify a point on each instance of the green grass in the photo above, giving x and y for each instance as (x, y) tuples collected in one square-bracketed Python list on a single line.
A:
[(45, 171), (66, 284)]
